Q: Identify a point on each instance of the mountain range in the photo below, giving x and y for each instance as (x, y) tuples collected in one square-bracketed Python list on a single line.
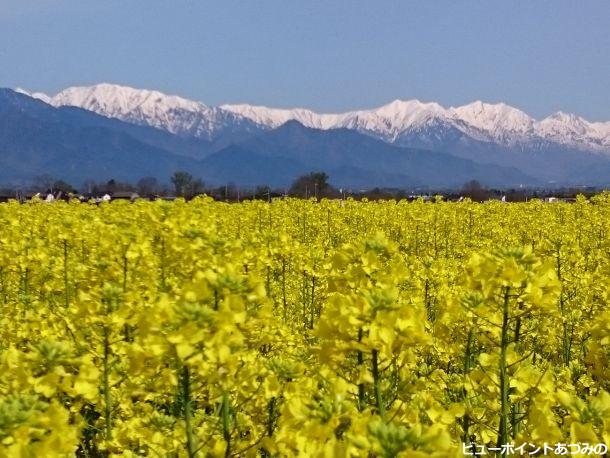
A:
[(401, 144)]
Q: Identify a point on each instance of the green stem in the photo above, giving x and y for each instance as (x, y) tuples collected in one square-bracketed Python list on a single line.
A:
[(188, 414), (271, 416), (466, 370), (271, 420), (503, 373), (268, 285), (304, 299), (284, 288), (125, 271), (312, 307), (514, 410), (106, 383), (377, 384), (360, 385), (162, 263), (67, 293), (226, 423)]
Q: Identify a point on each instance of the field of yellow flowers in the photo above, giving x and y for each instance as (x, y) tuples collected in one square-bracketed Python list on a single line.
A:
[(303, 328)]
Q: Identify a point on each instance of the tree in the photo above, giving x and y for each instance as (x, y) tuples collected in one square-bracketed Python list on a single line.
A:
[(262, 192), (182, 182), (315, 184), (89, 187), (62, 186), (148, 186), (187, 186), (46, 183), (197, 187), (475, 191), (113, 186), (43, 182)]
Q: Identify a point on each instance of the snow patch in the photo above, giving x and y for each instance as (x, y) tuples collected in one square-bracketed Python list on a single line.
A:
[(492, 122)]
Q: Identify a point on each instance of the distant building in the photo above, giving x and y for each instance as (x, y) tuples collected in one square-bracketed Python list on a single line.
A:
[(125, 195)]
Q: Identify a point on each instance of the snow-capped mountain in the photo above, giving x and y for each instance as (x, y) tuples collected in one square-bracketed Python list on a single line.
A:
[(74, 144), (386, 122), (569, 129), (145, 107), (36, 95), (562, 148), (275, 117), (499, 122), (411, 122), (496, 123), (397, 118)]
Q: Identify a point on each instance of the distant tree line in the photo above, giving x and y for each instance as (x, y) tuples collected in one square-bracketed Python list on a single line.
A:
[(181, 184), (477, 192), (312, 185)]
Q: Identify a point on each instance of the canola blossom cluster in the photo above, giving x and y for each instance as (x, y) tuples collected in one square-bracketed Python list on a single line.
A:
[(303, 328)]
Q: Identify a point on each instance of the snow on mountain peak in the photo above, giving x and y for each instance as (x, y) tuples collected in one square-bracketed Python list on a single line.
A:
[(500, 121), (36, 95), (567, 128), (385, 121), (566, 118), (275, 117), (406, 112), (122, 100), (147, 107), (489, 122)]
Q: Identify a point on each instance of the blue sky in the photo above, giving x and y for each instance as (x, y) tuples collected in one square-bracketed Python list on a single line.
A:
[(328, 55)]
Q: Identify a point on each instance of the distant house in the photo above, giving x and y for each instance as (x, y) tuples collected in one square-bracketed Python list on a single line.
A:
[(424, 197), (125, 195)]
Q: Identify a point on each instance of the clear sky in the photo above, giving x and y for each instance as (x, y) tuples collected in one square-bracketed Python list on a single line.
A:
[(329, 55)]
